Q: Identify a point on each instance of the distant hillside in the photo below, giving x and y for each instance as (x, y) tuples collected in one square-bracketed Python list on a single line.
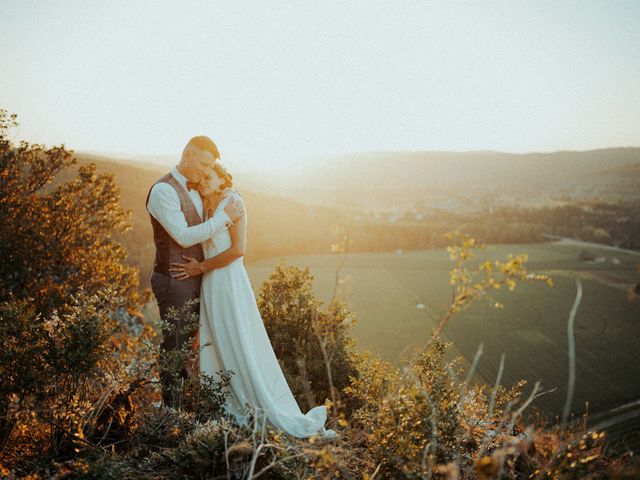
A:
[(363, 174), (424, 194), (509, 170), (625, 173)]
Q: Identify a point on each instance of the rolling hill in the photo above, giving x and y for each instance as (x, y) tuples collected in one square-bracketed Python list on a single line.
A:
[(373, 177), (297, 216)]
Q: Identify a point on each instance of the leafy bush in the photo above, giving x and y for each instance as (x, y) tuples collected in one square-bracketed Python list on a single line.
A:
[(308, 341), (47, 362), (426, 417), (57, 236), (200, 393)]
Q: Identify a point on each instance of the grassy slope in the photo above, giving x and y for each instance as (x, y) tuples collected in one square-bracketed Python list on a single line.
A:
[(531, 330)]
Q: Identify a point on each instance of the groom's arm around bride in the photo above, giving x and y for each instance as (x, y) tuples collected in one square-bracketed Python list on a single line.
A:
[(164, 206)]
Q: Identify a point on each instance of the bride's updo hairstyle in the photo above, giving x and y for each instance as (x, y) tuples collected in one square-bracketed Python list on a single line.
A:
[(202, 142), (224, 175)]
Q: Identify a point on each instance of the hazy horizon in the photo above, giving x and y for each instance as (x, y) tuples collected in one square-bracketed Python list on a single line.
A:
[(170, 158), (440, 164)]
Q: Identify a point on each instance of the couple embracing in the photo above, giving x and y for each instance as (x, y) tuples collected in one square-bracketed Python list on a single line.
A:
[(197, 215)]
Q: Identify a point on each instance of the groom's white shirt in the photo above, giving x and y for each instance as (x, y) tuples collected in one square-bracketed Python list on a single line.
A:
[(164, 205)]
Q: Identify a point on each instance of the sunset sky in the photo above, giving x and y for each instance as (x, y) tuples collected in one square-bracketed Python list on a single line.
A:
[(280, 83)]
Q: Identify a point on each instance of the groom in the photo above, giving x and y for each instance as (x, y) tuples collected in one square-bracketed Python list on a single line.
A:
[(176, 212)]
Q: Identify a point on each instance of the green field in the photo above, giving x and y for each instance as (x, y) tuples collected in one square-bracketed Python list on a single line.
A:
[(386, 288)]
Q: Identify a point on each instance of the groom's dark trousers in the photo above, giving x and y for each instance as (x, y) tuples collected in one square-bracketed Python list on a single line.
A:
[(171, 292)]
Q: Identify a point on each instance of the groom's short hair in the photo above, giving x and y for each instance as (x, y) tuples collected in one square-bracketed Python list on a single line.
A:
[(202, 142)]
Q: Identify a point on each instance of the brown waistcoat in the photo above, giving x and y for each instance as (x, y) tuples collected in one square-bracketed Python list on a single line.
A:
[(167, 250)]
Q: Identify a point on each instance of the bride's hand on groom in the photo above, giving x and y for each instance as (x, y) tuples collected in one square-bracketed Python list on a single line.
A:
[(182, 271)]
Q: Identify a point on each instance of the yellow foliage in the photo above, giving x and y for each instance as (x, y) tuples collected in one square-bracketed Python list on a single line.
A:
[(471, 282)]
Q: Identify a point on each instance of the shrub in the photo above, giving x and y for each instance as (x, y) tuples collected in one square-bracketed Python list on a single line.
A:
[(202, 394), (424, 417), (57, 236), (47, 362), (306, 338)]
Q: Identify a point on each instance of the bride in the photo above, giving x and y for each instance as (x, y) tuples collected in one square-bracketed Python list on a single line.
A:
[(232, 332)]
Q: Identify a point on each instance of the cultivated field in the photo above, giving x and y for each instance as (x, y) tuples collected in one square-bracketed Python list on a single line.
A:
[(398, 297)]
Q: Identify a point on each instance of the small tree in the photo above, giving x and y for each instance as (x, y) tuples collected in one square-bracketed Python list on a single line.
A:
[(470, 283), (57, 236), (304, 336)]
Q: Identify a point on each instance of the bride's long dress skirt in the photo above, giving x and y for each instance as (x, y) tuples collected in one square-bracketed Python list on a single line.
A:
[(231, 322)]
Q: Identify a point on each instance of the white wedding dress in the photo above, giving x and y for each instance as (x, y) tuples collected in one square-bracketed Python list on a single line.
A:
[(231, 324)]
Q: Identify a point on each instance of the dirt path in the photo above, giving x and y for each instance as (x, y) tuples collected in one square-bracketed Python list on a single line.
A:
[(603, 277), (579, 243)]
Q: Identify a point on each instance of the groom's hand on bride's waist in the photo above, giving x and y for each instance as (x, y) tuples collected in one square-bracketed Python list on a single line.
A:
[(234, 209), (182, 271)]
